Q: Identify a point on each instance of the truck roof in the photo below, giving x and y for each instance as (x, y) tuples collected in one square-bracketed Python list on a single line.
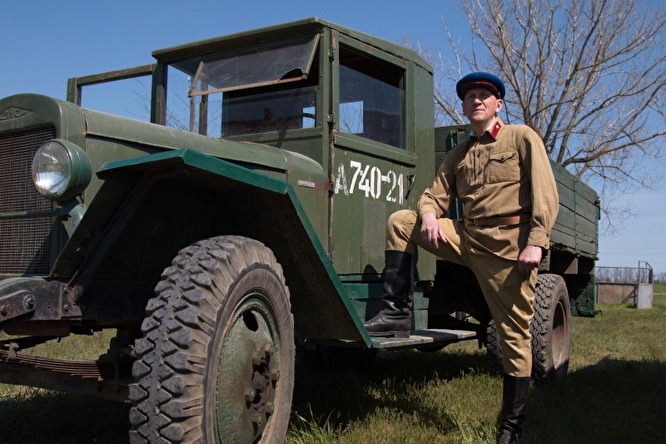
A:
[(253, 37)]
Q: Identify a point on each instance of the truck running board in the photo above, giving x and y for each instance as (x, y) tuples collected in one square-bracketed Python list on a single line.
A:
[(425, 337)]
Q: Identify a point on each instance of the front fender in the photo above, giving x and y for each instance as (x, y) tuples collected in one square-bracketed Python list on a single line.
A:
[(150, 207)]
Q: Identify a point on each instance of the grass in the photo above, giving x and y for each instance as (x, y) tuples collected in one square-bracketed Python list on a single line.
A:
[(615, 392)]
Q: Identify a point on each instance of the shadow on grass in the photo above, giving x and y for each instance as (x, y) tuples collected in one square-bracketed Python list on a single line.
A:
[(612, 401), (59, 418), (35, 416), (345, 394)]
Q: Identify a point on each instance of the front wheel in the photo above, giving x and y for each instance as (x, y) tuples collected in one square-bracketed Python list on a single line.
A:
[(216, 361)]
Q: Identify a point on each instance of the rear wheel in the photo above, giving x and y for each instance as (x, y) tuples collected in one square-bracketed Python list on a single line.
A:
[(549, 329), (216, 361), (550, 332)]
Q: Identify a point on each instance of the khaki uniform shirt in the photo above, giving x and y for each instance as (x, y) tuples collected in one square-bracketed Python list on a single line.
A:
[(503, 175)]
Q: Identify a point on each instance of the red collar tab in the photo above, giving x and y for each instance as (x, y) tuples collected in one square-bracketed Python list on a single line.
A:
[(492, 132), (495, 129)]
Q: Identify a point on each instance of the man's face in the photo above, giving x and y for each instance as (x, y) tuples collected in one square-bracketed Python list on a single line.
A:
[(480, 105)]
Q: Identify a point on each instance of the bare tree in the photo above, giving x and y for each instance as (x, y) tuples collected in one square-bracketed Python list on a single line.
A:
[(588, 75), (660, 278)]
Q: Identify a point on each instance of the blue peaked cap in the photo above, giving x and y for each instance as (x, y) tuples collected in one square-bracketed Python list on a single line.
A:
[(480, 80)]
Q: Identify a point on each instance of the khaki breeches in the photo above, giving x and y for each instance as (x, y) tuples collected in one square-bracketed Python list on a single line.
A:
[(508, 292)]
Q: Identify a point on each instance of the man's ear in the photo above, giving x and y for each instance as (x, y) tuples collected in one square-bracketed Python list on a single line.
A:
[(498, 108)]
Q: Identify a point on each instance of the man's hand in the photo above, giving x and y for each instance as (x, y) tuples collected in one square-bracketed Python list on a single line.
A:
[(431, 232), (529, 258)]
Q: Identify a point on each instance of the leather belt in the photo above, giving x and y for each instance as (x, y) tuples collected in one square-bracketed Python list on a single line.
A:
[(498, 221)]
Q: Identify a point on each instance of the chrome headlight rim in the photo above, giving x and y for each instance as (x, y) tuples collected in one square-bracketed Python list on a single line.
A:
[(61, 170)]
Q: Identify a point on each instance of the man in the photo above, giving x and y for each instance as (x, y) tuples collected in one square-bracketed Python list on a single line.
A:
[(503, 177)]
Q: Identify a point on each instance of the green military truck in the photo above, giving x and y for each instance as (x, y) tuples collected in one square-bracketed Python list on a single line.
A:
[(244, 222)]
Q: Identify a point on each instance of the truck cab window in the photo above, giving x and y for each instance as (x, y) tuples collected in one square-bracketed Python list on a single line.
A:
[(371, 98)]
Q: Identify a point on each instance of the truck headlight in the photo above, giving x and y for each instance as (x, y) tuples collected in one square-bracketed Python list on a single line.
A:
[(60, 170)]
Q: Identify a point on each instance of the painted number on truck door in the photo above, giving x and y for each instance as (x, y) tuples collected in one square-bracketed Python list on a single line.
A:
[(370, 181)]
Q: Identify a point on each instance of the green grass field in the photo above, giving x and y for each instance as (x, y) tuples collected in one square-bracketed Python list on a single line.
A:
[(615, 392)]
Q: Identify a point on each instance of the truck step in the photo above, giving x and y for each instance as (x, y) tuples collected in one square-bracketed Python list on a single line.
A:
[(425, 337)]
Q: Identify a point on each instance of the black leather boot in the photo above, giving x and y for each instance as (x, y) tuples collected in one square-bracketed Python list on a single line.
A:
[(395, 319), (514, 397)]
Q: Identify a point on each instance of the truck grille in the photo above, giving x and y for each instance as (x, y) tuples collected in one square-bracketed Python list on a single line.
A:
[(25, 243)]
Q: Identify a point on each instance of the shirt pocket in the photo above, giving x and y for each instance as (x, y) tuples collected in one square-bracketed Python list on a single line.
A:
[(503, 167)]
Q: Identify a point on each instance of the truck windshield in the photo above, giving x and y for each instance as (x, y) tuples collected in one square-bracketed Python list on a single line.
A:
[(271, 88), (281, 62)]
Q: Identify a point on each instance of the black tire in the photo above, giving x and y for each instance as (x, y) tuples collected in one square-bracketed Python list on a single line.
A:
[(551, 337), (492, 343), (216, 360)]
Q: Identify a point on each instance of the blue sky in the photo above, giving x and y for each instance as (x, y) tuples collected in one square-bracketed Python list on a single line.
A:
[(45, 42)]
